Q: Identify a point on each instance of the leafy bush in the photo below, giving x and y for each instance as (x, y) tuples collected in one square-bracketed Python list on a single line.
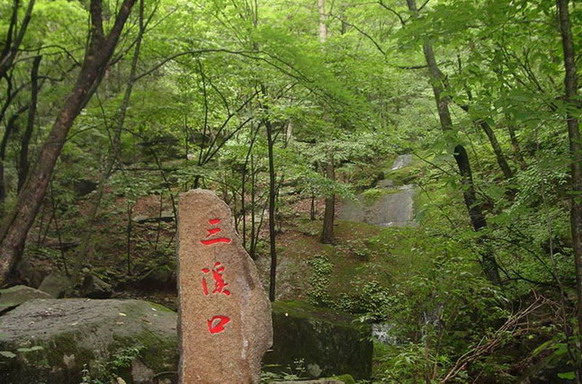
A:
[(321, 268)]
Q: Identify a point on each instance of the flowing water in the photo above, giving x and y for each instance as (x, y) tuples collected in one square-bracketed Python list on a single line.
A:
[(402, 161)]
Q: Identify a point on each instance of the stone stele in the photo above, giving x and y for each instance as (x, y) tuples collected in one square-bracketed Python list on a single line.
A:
[(225, 316)]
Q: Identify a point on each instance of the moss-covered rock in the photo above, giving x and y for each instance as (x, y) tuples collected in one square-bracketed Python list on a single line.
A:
[(328, 343), (14, 296), (60, 341), (346, 379), (320, 381)]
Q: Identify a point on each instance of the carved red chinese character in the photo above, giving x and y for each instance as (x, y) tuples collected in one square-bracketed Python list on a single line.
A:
[(219, 283), (217, 323), (212, 232)]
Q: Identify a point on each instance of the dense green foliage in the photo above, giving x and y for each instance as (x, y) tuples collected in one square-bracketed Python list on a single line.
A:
[(210, 76)]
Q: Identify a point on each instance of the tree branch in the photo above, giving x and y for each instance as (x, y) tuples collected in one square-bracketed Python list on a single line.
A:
[(402, 21)]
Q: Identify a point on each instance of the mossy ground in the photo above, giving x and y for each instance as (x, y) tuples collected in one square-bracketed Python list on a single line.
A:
[(363, 253)]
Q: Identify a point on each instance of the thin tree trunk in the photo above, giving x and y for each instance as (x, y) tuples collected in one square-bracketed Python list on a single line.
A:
[(486, 127), (474, 207), (243, 206), (244, 183), (16, 225), (516, 147), (128, 235), (327, 234), (501, 160), (24, 164), (159, 229), (517, 154), (252, 247), (312, 212), (11, 127), (58, 230), (14, 38), (272, 208), (575, 139)]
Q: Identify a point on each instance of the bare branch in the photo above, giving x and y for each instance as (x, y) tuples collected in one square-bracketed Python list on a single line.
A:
[(362, 32), (391, 10)]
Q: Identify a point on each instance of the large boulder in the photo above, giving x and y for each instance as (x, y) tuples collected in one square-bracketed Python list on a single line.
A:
[(30, 273), (64, 341), (95, 288), (328, 343), (14, 296), (56, 285)]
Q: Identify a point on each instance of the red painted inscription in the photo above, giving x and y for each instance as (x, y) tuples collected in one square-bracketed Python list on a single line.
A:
[(217, 276), (212, 232), (217, 323)]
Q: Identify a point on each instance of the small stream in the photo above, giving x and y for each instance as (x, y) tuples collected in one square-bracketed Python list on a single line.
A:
[(394, 208)]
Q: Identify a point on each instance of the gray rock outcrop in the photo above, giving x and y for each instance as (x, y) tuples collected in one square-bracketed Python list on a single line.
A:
[(14, 296), (61, 341), (56, 285)]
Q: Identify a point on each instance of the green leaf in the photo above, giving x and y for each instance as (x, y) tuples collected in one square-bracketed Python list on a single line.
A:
[(31, 349), (567, 375), (8, 354)]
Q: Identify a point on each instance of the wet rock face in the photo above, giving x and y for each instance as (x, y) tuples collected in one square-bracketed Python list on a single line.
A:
[(328, 343), (390, 206), (402, 161), (394, 208), (53, 341), (225, 315)]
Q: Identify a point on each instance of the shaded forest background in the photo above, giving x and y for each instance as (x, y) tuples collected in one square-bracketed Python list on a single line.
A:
[(110, 109)]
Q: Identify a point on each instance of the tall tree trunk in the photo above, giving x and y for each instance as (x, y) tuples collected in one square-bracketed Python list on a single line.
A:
[(322, 21), (474, 207), (327, 235), (115, 150), (100, 49), (272, 207), (24, 165), (244, 174), (575, 139)]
